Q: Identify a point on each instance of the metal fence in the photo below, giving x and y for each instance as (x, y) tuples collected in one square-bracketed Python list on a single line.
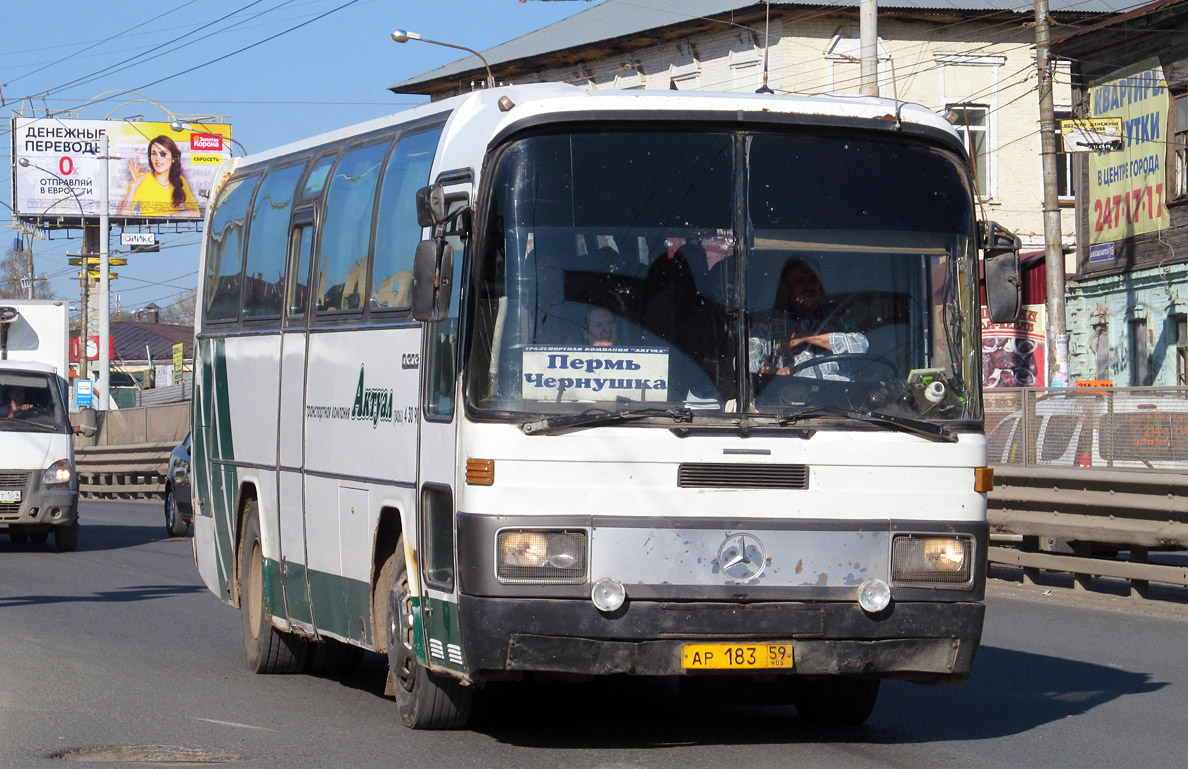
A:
[(1113, 428)]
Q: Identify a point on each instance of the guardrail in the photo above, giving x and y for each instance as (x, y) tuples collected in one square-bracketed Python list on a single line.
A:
[(135, 471), (1067, 515)]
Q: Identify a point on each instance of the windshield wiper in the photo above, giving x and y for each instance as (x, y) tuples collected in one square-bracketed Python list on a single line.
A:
[(549, 424), (23, 426), (919, 427)]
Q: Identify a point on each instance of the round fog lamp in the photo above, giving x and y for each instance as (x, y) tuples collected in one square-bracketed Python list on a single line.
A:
[(874, 595), (608, 594)]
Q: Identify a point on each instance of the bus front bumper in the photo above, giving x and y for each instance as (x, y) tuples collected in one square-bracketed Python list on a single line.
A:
[(927, 642)]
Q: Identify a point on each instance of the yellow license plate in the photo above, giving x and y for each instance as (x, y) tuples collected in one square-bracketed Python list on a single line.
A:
[(732, 656)]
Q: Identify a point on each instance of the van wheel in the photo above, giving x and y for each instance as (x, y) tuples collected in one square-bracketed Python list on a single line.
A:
[(175, 524), (66, 538), (268, 650), (425, 699), (836, 701)]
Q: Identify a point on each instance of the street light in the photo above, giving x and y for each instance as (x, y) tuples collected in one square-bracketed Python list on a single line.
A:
[(403, 36)]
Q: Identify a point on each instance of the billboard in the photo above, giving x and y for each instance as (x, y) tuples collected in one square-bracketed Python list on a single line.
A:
[(154, 172), (1126, 194), (1015, 354)]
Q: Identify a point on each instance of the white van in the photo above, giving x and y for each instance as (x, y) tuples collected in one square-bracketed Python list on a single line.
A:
[(38, 484)]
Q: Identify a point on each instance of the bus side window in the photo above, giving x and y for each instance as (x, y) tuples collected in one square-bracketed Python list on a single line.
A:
[(396, 229), (301, 245), (345, 252), (263, 287), (224, 255)]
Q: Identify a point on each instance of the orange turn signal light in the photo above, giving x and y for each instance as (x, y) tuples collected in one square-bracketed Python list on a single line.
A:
[(480, 472), (983, 479)]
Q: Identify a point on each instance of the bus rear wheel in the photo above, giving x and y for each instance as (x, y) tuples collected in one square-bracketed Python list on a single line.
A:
[(425, 699), (836, 701), (269, 650)]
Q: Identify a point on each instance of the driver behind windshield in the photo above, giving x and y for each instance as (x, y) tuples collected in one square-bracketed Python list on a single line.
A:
[(800, 329), (15, 403)]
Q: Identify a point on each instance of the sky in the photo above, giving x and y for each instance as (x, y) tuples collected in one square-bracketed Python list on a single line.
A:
[(332, 72)]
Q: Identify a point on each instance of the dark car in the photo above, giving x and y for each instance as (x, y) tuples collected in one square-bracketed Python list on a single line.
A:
[(179, 506)]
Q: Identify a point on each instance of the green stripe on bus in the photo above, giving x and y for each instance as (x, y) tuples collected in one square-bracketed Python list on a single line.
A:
[(341, 606)]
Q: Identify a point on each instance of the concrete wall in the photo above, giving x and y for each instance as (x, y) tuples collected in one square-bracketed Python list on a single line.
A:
[(150, 424)]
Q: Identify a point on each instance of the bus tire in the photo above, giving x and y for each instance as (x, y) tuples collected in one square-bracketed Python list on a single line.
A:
[(425, 699), (66, 538), (836, 701), (333, 658), (269, 650)]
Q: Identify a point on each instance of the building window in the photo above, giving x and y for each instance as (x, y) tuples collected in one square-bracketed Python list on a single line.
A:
[(1140, 359), (746, 63), (1181, 142), (972, 122), (1064, 166), (1101, 351), (630, 77), (1181, 326)]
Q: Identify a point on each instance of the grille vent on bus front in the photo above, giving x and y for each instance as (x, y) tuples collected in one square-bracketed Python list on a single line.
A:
[(725, 475)]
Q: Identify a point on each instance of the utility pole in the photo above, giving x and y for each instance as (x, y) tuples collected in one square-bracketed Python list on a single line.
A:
[(90, 246), (29, 248), (104, 278), (1053, 251), (868, 33)]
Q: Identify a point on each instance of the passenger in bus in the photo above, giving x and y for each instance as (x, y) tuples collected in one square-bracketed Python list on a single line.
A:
[(800, 329), (159, 189)]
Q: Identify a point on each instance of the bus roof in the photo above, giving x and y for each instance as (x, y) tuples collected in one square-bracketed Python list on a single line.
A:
[(477, 117)]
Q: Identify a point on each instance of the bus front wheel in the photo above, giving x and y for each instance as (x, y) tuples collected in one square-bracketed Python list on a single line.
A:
[(269, 650), (425, 699)]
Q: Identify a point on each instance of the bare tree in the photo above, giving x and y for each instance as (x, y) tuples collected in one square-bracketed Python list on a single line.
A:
[(181, 310), (14, 268)]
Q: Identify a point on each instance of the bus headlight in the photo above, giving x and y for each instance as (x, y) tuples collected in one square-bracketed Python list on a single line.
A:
[(540, 557), (918, 558), (58, 472)]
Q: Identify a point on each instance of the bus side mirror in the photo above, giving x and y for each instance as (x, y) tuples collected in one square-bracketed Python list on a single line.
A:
[(431, 208), (433, 271), (1004, 286)]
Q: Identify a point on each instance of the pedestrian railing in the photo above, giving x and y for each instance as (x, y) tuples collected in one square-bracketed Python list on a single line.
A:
[(123, 472)]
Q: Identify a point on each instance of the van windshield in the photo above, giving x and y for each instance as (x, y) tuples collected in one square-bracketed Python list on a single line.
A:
[(31, 402), (726, 273)]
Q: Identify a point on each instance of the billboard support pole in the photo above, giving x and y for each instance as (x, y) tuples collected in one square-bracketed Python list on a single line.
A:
[(84, 324), (1053, 249), (104, 277)]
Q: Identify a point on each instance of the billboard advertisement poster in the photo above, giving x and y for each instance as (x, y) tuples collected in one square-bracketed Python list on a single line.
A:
[(154, 172), (1126, 188), (1015, 354)]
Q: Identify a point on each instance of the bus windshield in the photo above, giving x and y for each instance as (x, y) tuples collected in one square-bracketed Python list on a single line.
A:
[(724, 274), (31, 402)]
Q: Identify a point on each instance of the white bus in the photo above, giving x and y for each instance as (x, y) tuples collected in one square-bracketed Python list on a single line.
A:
[(540, 381)]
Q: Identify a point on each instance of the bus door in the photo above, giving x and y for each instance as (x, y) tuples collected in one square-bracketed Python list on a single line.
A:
[(437, 467), (291, 439)]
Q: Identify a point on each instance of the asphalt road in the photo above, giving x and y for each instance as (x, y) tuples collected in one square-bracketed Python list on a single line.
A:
[(119, 644)]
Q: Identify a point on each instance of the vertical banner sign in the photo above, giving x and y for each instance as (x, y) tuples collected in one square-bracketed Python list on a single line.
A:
[(1126, 189), (1015, 354), (178, 362)]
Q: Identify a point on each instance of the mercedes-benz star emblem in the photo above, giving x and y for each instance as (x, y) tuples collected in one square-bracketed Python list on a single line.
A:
[(742, 557)]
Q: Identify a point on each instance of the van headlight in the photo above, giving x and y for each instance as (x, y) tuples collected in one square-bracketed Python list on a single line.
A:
[(923, 559), (58, 472), (540, 557)]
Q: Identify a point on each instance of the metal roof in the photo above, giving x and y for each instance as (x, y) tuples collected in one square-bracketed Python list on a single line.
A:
[(611, 19)]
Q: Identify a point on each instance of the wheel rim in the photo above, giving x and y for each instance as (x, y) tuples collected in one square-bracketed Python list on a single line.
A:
[(169, 512), (400, 635), (254, 599)]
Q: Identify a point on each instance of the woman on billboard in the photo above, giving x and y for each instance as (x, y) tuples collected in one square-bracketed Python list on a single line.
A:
[(159, 189)]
